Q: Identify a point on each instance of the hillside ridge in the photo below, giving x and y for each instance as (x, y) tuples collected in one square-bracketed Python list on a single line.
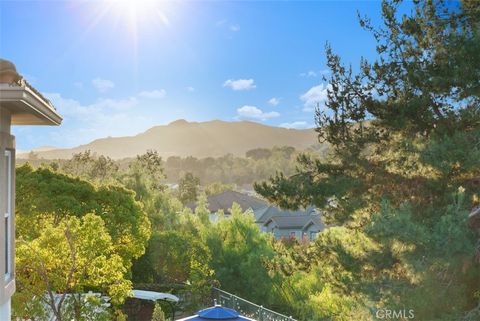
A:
[(212, 138)]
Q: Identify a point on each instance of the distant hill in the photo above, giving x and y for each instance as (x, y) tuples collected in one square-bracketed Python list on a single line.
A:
[(200, 139)]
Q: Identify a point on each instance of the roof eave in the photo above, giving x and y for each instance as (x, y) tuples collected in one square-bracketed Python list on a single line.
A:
[(27, 106)]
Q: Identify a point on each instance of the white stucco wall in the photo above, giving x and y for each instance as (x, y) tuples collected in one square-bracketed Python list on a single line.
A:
[(7, 285)]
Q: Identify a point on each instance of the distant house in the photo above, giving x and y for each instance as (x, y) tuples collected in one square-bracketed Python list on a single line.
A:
[(224, 201), (300, 227), (301, 224)]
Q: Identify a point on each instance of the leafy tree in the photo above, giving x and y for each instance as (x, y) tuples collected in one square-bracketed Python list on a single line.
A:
[(258, 153), (188, 188), (163, 210), (66, 260), (232, 170), (32, 155), (217, 188), (88, 166), (178, 255), (399, 176), (202, 211), (145, 175), (44, 196), (239, 252), (158, 314), (171, 255), (284, 151)]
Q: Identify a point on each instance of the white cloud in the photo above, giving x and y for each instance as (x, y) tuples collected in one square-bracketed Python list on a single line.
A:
[(102, 85), (190, 89), (309, 74), (316, 95), (274, 101), (240, 84), (102, 118), (234, 28), (314, 73), (153, 94), (296, 125), (73, 108), (224, 23), (109, 104), (252, 112)]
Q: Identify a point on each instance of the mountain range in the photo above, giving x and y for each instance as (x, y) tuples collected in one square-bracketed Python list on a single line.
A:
[(199, 139)]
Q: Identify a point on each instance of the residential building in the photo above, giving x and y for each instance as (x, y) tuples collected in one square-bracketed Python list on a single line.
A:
[(20, 104), (224, 201), (302, 224), (300, 227)]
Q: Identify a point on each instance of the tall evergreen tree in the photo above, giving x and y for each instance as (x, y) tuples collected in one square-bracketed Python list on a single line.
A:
[(400, 174)]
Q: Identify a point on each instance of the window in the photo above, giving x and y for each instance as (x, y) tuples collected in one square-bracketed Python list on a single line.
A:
[(8, 213), (313, 235), (293, 235)]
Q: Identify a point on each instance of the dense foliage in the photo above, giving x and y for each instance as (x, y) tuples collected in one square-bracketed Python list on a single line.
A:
[(46, 196), (68, 259), (240, 251), (258, 164), (188, 188), (73, 237), (233, 170), (401, 174)]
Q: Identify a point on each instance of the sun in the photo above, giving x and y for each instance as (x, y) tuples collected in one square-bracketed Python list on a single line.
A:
[(137, 13)]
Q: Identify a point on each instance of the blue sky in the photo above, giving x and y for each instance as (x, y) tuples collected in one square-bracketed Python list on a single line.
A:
[(111, 72)]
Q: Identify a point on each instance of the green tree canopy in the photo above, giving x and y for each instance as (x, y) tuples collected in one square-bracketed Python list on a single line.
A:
[(188, 188), (239, 252), (145, 175), (89, 166), (158, 314), (68, 259), (44, 196)]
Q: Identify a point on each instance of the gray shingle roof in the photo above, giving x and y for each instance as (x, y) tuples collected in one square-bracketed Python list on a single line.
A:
[(295, 221), (263, 214), (225, 200)]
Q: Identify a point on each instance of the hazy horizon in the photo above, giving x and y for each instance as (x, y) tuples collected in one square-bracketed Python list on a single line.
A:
[(50, 146), (214, 138)]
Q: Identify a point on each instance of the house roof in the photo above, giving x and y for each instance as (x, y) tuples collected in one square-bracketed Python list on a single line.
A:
[(225, 200), (26, 104), (295, 221), (265, 213)]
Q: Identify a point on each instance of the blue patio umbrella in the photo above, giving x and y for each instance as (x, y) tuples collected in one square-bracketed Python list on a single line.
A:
[(217, 312)]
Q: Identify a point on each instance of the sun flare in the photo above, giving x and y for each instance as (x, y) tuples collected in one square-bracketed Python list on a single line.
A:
[(137, 13)]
